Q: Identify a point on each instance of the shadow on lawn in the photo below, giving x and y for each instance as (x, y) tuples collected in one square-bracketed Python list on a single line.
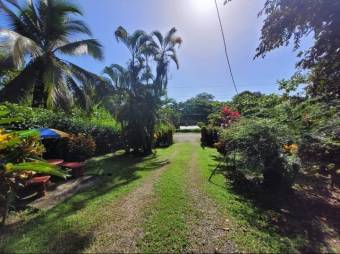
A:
[(57, 230), (310, 218)]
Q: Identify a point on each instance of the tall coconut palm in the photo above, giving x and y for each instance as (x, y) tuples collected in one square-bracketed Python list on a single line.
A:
[(40, 34)]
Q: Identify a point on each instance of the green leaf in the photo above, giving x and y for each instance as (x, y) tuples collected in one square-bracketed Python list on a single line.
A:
[(40, 167)]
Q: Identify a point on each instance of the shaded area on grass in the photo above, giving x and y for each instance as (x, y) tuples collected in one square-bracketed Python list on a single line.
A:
[(66, 227), (267, 222)]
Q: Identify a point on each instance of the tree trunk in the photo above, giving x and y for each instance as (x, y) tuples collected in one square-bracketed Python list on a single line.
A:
[(39, 93), (5, 209)]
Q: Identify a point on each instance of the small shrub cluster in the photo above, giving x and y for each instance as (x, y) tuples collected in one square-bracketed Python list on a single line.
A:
[(218, 121), (80, 147), (209, 136), (261, 150), (164, 135)]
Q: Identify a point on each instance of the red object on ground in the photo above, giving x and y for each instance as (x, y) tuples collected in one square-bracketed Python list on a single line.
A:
[(41, 182), (56, 162), (77, 168)]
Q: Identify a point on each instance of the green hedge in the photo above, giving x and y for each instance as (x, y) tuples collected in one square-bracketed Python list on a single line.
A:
[(100, 124)]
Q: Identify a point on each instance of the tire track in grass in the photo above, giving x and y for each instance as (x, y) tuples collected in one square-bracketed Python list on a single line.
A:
[(125, 217), (165, 227), (208, 227)]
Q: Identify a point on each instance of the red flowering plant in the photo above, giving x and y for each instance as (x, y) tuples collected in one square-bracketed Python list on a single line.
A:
[(228, 116)]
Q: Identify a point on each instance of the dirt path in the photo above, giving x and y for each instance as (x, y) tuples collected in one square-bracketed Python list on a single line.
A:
[(208, 227), (193, 138), (125, 219)]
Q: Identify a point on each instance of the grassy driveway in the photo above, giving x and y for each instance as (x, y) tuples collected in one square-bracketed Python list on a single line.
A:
[(161, 203)]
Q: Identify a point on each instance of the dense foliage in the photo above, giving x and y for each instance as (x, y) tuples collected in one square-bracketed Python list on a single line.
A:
[(100, 124), (197, 109), (277, 135)]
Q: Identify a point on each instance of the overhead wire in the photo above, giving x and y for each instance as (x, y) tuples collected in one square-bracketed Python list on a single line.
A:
[(225, 48)]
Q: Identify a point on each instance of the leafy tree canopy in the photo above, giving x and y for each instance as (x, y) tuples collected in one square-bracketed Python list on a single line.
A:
[(289, 21), (198, 109)]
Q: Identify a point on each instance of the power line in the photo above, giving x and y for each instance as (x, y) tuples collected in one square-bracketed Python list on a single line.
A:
[(215, 86), (225, 47)]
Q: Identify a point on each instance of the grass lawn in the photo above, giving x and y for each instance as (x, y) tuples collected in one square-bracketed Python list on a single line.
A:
[(165, 228), (67, 227)]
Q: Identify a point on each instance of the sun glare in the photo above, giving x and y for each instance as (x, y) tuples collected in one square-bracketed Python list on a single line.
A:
[(203, 6)]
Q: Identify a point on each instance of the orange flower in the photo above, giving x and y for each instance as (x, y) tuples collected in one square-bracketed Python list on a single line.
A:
[(292, 148)]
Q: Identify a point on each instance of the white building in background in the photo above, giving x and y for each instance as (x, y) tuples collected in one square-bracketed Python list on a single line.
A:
[(194, 127)]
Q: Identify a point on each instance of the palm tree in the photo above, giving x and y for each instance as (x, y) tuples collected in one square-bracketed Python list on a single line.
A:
[(141, 89), (164, 50), (40, 34)]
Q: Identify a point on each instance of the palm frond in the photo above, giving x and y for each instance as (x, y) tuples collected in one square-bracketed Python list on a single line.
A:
[(40, 167), (122, 35), (138, 38), (78, 93), (61, 98), (85, 47), (170, 35), (21, 86), (77, 26), (117, 74), (17, 21), (18, 46), (175, 59), (81, 74), (159, 37)]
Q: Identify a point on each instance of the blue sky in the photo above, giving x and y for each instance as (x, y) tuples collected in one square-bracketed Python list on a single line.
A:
[(202, 60)]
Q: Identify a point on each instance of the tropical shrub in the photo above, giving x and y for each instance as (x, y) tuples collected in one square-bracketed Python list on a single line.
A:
[(20, 154), (164, 135), (209, 136), (261, 149), (222, 119), (80, 147)]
